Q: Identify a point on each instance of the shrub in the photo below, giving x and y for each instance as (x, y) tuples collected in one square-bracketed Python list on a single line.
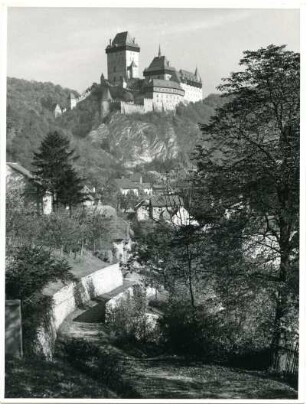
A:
[(28, 272), (214, 337), (128, 319)]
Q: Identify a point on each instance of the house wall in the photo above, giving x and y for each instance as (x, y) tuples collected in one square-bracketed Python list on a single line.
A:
[(125, 191), (47, 204), (142, 213)]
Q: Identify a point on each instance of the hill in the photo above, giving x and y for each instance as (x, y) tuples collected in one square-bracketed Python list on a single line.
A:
[(106, 148)]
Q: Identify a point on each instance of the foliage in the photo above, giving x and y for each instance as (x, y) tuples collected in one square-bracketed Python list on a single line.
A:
[(173, 256), (248, 179), (128, 320), (128, 201), (213, 337), (38, 378), (30, 117), (28, 271), (54, 170)]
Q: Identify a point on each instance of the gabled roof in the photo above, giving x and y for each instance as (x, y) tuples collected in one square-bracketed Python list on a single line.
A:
[(159, 63), (125, 183), (146, 185), (119, 229), (167, 200), (162, 201), (21, 170), (185, 75), (133, 64), (136, 177)]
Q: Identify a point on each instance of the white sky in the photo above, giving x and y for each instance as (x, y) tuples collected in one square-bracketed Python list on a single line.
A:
[(67, 45)]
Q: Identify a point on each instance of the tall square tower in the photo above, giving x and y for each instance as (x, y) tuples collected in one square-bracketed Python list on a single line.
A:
[(122, 58)]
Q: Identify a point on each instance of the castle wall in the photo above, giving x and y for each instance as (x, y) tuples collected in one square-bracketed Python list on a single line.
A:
[(127, 108), (167, 101), (192, 94), (118, 62)]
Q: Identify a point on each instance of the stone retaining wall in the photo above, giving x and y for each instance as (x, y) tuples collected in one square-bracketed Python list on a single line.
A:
[(74, 295)]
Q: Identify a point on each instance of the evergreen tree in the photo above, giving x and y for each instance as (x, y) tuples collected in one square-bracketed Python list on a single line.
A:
[(54, 170)]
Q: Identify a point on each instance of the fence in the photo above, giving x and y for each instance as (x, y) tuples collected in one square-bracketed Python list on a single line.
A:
[(13, 328)]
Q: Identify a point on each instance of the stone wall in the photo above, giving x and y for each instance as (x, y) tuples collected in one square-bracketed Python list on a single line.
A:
[(71, 296)]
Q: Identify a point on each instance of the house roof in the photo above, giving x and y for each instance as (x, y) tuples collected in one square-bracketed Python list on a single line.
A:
[(105, 210), (119, 229), (146, 185), (136, 177), (125, 183), (21, 170), (166, 200), (162, 201)]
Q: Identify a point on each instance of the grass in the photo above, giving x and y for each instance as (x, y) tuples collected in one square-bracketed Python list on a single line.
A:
[(134, 374), (133, 371), (36, 378), (81, 266)]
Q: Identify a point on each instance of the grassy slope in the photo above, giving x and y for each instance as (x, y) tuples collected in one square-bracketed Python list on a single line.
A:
[(134, 373), (34, 378)]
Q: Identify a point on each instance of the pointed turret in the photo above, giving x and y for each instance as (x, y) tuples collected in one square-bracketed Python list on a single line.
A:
[(196, 73), (159, 51)]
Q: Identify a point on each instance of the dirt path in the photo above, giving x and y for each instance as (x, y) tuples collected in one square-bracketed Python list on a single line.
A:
[(132, 377)]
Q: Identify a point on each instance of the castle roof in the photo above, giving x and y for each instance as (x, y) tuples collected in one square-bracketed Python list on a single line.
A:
[(122, 40), (185, 76), (133, 64), (163, 83), (159, 64)]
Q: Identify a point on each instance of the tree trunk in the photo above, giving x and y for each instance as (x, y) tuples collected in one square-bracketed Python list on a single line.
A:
[(279, 337)]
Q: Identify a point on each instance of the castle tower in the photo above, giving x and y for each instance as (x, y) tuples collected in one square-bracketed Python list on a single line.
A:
[(122, 58), (73, 101)]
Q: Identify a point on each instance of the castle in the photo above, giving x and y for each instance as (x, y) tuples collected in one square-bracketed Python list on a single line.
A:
[(162, 87)]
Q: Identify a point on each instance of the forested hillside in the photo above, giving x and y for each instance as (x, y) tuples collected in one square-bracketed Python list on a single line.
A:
[(105, 148)]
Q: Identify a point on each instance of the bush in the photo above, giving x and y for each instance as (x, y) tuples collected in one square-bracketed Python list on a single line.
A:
[(28, 272), (210, 337), (128, 319)]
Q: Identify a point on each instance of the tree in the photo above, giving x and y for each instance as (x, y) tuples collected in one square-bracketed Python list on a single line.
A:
[(54, 170), (248, 176)]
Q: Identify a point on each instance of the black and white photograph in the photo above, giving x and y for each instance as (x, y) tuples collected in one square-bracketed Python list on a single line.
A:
[(152, 203)]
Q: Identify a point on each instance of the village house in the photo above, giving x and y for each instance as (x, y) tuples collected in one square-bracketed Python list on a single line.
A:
[(22, 179), (125, 186), (168, 207), (145, 187)]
